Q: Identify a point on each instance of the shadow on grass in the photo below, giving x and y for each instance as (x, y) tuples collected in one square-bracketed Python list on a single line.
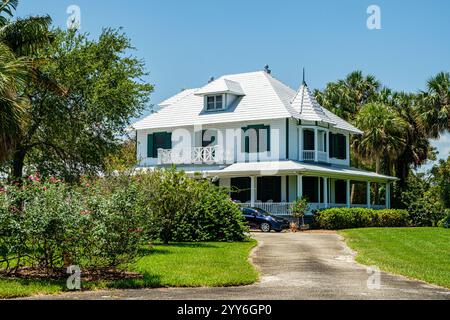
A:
[(147, 281), (189, 245), (159, 248)]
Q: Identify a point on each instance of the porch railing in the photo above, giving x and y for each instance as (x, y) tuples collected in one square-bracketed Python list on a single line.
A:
[(322, 156), (206, 155), (285, 208)]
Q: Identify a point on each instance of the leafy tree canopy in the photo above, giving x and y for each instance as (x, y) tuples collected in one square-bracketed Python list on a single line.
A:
[(72, 131)]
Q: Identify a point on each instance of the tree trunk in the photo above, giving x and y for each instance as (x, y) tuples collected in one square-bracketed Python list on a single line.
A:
[(376, 186), (17, 165)]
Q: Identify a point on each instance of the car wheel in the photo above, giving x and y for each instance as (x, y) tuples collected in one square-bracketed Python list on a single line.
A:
[(265, 227)]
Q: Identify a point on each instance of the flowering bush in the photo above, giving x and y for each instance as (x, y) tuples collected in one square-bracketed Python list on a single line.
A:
[(51, 225), (102, 224)]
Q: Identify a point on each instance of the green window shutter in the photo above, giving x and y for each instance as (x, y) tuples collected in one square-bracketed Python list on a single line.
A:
[(245, 145), (333, 145), (150, 146), (342, 147), (168, 140)]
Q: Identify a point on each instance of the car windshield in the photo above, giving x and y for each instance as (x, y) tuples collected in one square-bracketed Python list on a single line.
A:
[(262, 212)]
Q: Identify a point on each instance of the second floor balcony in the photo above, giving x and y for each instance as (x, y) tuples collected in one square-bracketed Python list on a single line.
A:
[(195, 155)]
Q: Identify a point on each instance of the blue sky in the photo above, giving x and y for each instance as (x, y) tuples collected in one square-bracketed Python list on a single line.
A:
[(184, 43)]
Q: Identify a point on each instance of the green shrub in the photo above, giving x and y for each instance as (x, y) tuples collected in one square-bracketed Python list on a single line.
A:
[(174, 207), (182, 209), (445, 222), (212, 216), (103, 224), (348, 218), (51, 225)]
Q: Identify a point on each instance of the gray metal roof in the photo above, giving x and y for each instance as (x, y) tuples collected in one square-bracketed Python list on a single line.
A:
[(260, 97)]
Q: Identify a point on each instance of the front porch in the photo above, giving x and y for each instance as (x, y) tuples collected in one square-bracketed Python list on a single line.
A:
[(276, 194)]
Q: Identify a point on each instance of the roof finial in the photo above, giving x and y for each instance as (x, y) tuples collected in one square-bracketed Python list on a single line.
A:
[(304, 79)]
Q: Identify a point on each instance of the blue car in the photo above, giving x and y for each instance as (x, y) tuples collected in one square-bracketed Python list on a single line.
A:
[(263, 220)]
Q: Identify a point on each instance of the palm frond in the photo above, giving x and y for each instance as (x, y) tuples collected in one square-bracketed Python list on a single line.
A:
[(25, 36)]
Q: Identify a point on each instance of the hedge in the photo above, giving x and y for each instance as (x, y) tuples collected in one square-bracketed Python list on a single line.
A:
[(348, 218)]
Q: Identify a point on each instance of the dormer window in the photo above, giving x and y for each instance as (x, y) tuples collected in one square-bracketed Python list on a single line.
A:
[(214, 103)]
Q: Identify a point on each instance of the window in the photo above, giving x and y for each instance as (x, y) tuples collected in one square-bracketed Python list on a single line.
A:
[(214, 103), (338, 146), (256, 139), (308, 140), (158, 140)]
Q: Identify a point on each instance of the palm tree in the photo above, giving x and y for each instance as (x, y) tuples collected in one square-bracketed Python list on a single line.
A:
[(346, 96), (435, 105), (417, 148), (19, 41), (13, 74), (383, 134)]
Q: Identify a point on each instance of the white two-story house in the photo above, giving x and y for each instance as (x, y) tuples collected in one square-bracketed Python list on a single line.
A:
[(265, 141)]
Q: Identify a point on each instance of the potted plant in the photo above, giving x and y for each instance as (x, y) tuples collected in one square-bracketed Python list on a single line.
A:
[(299, 209)]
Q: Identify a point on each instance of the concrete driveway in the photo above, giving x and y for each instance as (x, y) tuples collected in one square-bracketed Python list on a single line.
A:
[(295, 266)]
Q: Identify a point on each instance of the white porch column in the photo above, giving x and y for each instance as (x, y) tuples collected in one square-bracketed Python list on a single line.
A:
[(316, 144), (253, 186), (388, 195), (368, 194), (348, 194), (325, 192), (299, 186)]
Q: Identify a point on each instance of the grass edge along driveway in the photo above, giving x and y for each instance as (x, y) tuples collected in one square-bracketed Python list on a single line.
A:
[(419, 253), (203, 264)]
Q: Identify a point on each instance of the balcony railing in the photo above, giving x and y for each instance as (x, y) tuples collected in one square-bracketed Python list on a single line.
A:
[(200, 155), (310, 155)]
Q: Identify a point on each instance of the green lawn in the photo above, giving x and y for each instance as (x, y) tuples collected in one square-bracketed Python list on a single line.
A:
[(175, 265), (420, 253)]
